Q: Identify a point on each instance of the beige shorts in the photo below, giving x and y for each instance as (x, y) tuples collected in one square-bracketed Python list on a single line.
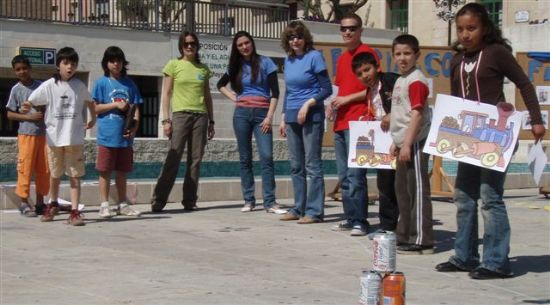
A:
[(68, 159)]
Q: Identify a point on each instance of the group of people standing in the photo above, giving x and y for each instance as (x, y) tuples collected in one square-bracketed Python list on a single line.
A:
[(397, 101)]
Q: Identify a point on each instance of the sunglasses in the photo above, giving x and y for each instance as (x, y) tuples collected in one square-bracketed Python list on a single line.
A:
[(352, 28), (295, 36), (191, 44)]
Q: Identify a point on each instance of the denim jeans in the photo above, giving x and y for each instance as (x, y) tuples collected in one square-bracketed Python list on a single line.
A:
[(188, 129), (304, 147), (353, 182), (473, 183), (246, 121)]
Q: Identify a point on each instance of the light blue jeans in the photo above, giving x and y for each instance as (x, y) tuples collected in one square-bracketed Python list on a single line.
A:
[(246, 121), (304, 147), (473, 183), (353, 182)]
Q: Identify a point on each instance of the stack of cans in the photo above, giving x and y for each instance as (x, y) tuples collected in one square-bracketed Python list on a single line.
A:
[(383, 285)]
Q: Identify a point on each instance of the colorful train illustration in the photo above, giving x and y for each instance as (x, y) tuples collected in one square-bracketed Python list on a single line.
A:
[(365, 153), (477, 136)]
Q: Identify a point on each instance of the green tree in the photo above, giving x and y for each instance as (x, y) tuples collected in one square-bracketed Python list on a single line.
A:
[(313, 8), (446, 12)]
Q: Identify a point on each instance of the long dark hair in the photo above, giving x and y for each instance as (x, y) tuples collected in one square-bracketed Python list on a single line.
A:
[(181, 41), (236, 62), (66, 53), (493, 35), (114, 53)]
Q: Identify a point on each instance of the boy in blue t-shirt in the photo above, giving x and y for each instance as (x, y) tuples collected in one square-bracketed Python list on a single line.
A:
[(113, 94)]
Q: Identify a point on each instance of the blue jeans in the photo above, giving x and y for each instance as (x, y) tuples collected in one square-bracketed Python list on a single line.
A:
[(353, 182), (246, 121), (304, 147), (473, 183)]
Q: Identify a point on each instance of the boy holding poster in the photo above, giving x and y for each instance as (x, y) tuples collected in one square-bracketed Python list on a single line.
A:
[(379, 90), (409, 126)]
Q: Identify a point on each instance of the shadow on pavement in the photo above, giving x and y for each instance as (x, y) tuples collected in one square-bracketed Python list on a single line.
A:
[(529, 263)]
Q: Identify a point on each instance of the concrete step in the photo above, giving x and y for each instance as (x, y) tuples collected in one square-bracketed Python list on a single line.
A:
[(220, 189)]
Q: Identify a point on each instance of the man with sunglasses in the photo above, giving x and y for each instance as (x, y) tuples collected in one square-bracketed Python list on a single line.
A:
[(350, 105)]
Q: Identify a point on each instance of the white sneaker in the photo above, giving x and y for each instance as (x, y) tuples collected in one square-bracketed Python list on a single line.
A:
[(248, 207), (126, 210), (342, 226), (276, 209), (105, 210), (358, 231)]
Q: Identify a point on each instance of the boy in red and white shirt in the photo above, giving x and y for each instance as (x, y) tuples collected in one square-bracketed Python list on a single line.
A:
[(409, 126)]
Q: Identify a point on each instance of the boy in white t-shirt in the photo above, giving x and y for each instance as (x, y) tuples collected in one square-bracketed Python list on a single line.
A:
[(65, 98)]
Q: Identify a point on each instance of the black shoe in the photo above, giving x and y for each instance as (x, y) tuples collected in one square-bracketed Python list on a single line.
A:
[(450, 267), (156, 206), (189, 206), (486, 274), (39, 209), (415, 249)]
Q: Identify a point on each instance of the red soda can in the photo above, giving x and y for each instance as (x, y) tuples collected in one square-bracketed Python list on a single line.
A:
[(393, 289)]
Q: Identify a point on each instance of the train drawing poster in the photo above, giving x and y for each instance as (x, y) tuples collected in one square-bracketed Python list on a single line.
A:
[(476, 133), (363, 136)]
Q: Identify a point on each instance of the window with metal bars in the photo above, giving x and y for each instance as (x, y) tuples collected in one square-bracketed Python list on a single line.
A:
[(399, 15), (494, 8)]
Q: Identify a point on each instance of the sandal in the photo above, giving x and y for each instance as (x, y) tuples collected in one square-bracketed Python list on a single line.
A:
[(26, 210)]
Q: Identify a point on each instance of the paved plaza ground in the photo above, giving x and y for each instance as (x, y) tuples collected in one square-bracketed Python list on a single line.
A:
[(218, 255)]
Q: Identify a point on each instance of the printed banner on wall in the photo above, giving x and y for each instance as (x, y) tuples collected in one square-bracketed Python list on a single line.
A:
[(363, 136), (476, 133)]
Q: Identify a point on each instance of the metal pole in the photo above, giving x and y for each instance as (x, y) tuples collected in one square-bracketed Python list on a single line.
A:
[(190, 16), (157, 14), (449, 25)]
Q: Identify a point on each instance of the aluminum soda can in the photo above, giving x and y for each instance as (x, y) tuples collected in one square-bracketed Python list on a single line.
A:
[(384, 251), (393, 289), (371, 282)]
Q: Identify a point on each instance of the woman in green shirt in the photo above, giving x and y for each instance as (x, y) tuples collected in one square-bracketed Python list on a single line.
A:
[(186, 96)]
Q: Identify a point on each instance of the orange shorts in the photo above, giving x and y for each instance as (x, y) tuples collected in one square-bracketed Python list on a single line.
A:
[(68, 159)]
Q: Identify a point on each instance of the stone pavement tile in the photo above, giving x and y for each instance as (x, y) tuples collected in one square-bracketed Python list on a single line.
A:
[(218, 255)]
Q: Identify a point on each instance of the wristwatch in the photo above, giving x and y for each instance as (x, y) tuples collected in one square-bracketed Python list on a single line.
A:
[(212, 122)]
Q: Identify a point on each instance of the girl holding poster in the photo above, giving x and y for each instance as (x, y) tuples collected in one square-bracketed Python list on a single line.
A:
[(484, 57)]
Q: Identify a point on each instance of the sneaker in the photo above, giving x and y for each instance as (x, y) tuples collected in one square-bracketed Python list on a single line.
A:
[(358, 230), (49, 213), (105, 210), (342, 226), (415, 249), (25, 210), (248, 207), (126, 210), (39, 209), (276, 209), (75, 219)]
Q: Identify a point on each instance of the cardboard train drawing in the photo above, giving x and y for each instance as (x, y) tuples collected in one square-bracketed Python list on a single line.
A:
[(476, 133), (365, 136)]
